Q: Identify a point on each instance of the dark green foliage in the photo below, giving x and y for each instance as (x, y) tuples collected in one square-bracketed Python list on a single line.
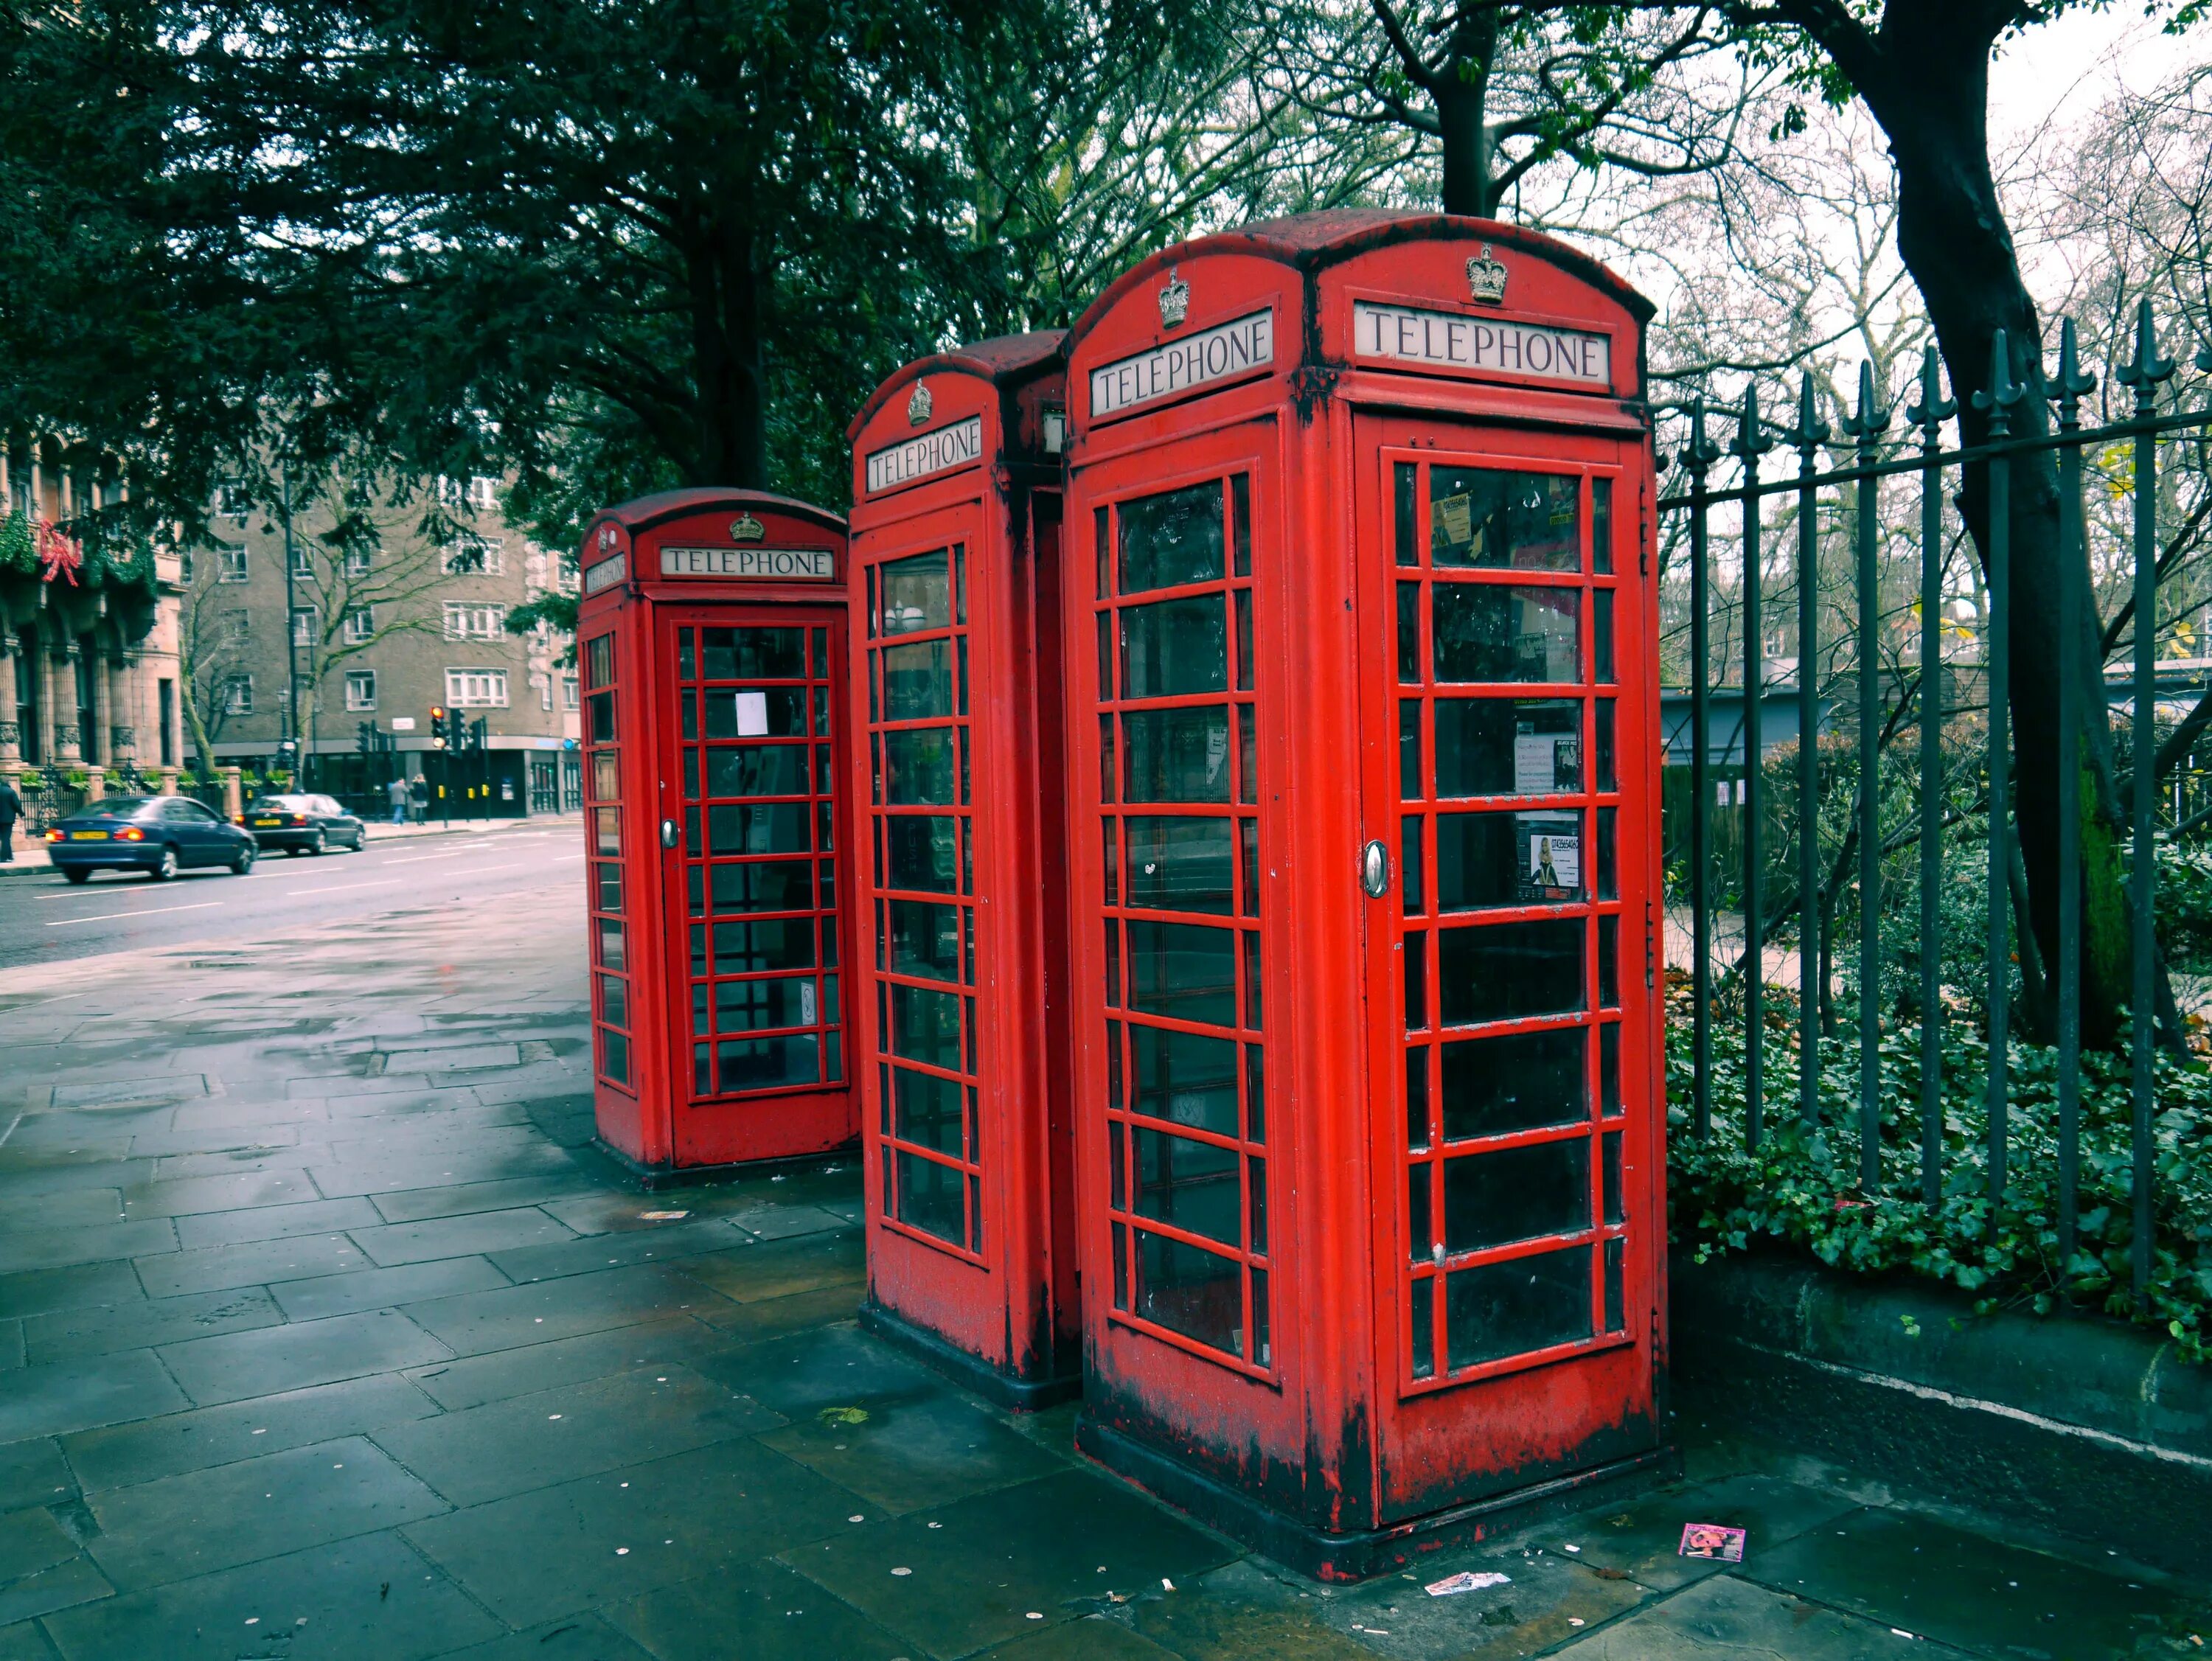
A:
[(1804, 1190)]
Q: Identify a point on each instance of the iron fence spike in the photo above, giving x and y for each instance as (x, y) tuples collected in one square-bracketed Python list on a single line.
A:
[(2148, 368), (1871, 418)]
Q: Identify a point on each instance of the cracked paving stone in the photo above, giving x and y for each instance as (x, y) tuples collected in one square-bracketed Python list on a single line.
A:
[(292, 1357)]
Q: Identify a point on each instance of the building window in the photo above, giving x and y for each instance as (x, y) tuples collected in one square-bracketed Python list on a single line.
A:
[(303, 625), (303, 561), (568, 696), (483, 492), (476, 688), (185, 568), (233, 565), (361, 625), (360, 688), (474, 622), (473, 556), (237, 694), (357, 560), (234, 630), (232, 502)]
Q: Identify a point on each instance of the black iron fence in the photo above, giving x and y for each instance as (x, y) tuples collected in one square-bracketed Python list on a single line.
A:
[(1904, 751)]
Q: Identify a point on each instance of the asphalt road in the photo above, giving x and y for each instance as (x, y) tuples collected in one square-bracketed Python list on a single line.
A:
[(44, 920)]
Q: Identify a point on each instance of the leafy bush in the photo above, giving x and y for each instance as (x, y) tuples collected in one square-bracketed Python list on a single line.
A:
[(2184, 905), (1802, 1186)]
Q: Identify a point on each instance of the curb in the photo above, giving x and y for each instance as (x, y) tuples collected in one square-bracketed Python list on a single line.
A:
[(2082, 1425), (23, 866)]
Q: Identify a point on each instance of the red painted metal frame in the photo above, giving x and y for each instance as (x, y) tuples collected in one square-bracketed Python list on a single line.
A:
[(1322, 1446), (650, 1110), (953, 463)]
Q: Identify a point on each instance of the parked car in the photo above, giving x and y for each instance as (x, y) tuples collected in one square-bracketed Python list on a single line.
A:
[(160, 836), (301, 824)]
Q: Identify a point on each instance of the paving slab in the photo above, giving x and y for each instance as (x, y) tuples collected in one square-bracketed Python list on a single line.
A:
[(798, 1374), (1093, 1638), (123, 1456), (367, 1599), (294, 1357), (476, 1380), (670, 1242), (1726, 1619), (1238, 1611), (103, 1328), (32, 1472), (541, 1159), (158, 1531), (453, 1199), (62, 1586), (38, 1290), (61, 1248), (775, 1269), (1644, 1539), (475, 1323), (255, 1263), (453, 1237), (762, 1611), (270, 1222), (915, 1449), (572, 1638), (76, 1208), (31, 1540), (1055, 1547), (191, 1194), (384, 1288), (610, 1538), (79, 1393)]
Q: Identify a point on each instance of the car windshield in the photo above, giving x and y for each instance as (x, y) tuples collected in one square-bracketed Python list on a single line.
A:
[(279, 804), (118, 807)]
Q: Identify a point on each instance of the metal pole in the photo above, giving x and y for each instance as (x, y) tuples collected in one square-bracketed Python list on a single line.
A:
[(2144, 374), (1698, 456), (1809, 434), (291, 616), (1751, 443), (2067, 388), (1929, 416), (1998, 401), (1866, 427)]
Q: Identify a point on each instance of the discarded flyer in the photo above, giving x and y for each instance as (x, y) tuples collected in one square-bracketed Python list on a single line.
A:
[(661, 1216), (1466, 1580), (1712, 1541)]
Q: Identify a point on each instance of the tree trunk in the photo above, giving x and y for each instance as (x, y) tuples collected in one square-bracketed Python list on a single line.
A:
[(1461, 91), (728, 295), (1953, 240)]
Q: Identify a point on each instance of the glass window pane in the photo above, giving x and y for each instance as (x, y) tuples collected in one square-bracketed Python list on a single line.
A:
[(1178, 754), (1191, 1185), (923, 852), (918, 766), (1186, 1078), (1421, 1305), (1601, 525), (753, 654), (1501, 1309), (1248, 829), (1412, 871), (1243, 600), (606, 780), (926, 1026), (1410, 786), (611, 940), (1409, 634), (1102, 541), (782, 885), (599, 660), (606, 830), (1240, 517), (1117, 1166), (1601, 637), (1516, 1194), (753, 948), (762, 1064), (1504, 971), (1185, 970), (1173, 537), (1105, 657), (1110, 849), (600, 706), (1403, 527), (1609, 862), (746, 1005), (1420, 1229), (614, 1001), (1180, 865), (1608, 1069), (927, 1111), (609, 896), (756, 713), (1486, 859), (1487, 517), (1255, 1094), (1256, 1204), (1508, 747), (1608, 963), (917, 681), (1417, 1098), (768, 827), (924, 939), (917, 594), (1175, 647), (1492, 632), (1616, 1258), (1517, 1082), (930, 1197), (1417, 982), (1190, 1290), (1608, 775), (757, 770), (1609, 1175)]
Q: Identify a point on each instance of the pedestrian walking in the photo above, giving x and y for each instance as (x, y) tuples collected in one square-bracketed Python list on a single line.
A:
[(399, 792), (11, 809), (418, 797)]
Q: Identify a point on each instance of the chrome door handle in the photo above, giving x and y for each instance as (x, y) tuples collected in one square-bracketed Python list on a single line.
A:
[(1374, 869), (668, 833)]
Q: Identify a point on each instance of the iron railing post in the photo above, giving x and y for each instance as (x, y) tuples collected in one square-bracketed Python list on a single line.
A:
[(1698, 458), (2067, 388), (1998, 403), (1868, 427), (1929, 415), (1751, 443), (1806, 437), (2144, 375)]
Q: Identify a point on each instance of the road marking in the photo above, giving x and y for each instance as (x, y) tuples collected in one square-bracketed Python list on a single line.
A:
[(150, 910), (511, 865), (418, 859), (335, 887)]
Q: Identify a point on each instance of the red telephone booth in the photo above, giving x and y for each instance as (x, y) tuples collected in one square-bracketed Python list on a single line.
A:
[(711, 636), (1365, 783), (962, 1003)]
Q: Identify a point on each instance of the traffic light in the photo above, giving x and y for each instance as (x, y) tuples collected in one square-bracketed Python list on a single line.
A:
[(364, 737), (477, 731), (438, 725)]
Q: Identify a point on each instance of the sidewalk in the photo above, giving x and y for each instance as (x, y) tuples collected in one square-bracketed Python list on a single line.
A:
[(30, 859), (324, 1334)]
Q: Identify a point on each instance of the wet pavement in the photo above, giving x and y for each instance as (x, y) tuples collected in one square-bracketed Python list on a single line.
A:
[(324, 1334)]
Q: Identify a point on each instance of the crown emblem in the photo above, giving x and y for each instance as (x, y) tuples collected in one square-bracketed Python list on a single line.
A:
[(1486, 277), (746, 529), (919, 406), (1175, 301), (608, 537)]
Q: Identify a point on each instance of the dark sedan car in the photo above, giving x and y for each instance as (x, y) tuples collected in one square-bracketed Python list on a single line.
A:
[(160, 836), (301, 824)]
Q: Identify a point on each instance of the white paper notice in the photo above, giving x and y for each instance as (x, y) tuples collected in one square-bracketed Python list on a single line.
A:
[(753, 715), (1535, 763), (1555, 862)]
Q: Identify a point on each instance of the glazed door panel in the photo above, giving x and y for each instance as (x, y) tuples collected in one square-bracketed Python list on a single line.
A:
[(1507, 957)]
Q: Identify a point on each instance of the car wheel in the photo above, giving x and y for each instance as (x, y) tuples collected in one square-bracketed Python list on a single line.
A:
[(315, 843), (168, 868), (77, 876), (241, 862)]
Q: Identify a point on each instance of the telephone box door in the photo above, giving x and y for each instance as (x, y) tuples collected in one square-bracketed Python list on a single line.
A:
[(753, 928), (1507, 765)]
